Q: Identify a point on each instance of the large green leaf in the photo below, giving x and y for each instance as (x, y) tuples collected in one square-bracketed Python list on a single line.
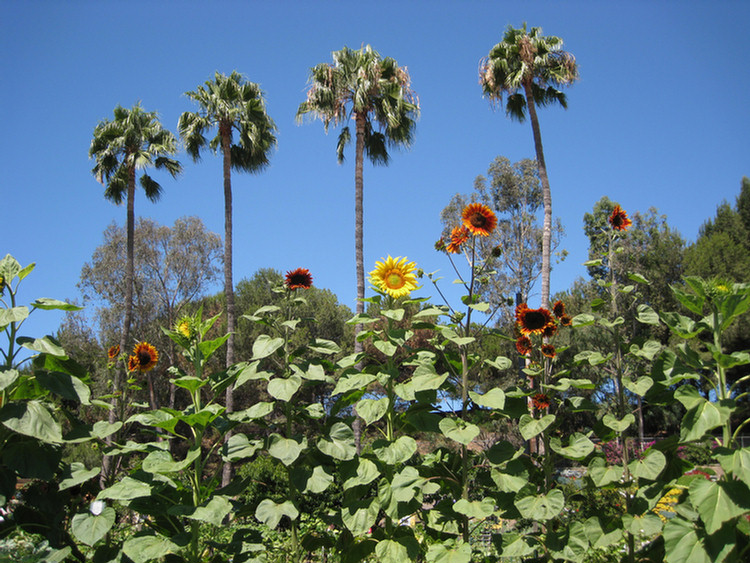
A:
[(640, 386), (284, 389), (75, 474), (649, 466), (125, 489), (146, 549), (458, 430), (395, 452), (48, 304), (65, 386), (44, 345), (578, 447), (700, 419), (162, 462), (492, 399), (323, 346), (270, 513), (315, 480), (31, 418), (390, 551), (212, 512), (616, 424), (541, 507), (531, 427), (286, 450), (353, 382), (359, 471), (89, 528), (449, 552), (360, 515), (258, 410), (264, 346), (341, 444), (736, 462), (239, 447), (602, 474), (597, 536), (8, 377), (189, 382), (479, 509), (719, 502), (372, 410), (682, 544), (386, 347), (12, 315)]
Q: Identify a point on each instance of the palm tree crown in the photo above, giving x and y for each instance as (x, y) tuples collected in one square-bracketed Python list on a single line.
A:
[(362, 83)]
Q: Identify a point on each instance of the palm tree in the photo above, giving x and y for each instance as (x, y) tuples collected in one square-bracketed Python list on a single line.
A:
[(529, 67), (132, 141), (232, 105), (376, 94)]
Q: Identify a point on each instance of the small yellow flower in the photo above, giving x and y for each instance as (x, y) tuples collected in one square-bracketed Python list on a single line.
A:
[(394, 276), (185, 327)]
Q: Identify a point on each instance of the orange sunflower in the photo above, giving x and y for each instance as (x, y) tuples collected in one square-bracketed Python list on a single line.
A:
[(113, 352), (459, 235), (298, 279), (144, 358), (549, 330), (523, 345), (479, 219), (532, 321), (565, 320), (619, 219), (394, 276), (548, 350), (558, 309), (540, 401)]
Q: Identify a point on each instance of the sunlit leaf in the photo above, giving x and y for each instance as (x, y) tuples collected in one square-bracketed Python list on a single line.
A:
[(89, 528)]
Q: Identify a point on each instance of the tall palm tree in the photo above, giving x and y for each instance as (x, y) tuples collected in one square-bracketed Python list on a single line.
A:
[(529, 68), (132, 141), (375, 93), (233, 106)]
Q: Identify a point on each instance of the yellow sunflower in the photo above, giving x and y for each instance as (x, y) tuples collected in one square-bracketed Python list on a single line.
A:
[(479, 219), (144, 358), (394, 276)]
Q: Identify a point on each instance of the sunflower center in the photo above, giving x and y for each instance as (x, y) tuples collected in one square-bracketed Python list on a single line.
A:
[(534, 320), (144, 358), (395, 280), (478, 220)]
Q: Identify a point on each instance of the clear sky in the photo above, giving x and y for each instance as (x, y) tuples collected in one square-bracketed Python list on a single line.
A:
[(660, 117)]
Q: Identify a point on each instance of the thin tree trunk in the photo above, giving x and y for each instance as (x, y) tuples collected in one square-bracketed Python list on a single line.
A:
[(546, 196), (119, 371), (226, 140), (359, 251)]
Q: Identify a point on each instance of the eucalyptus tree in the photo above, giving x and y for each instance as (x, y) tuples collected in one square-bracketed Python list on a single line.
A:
[(232, 105), (528, 68), (130, 142), (375, 93)]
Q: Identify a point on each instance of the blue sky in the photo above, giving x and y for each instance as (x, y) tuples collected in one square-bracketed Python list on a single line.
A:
[(660, 117)]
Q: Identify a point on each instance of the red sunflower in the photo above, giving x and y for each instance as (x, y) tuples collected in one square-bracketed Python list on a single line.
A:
[(479, 219), (113, 352), (523, 345), (540, 401), (298, 279), (548, 350), (549, 330), (459, 235), (619, 219), (532, 321), (565, 320), (558, 309), (144, 358)]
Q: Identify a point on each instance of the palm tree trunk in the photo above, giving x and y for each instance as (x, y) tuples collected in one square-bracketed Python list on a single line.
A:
[(359, 250), (119, 375), (226, 141), (546, 195)]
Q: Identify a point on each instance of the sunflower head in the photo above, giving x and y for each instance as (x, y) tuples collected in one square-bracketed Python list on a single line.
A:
[(532, 321), (540, 401), (558, 309), (440, 245), (185, 326), (565, 320), (548, 350), (479, 219), (619, 219), (298, 279), (523, 345), (394, 276), (549, 330), (144, 358), (113, 352), (459, 235)]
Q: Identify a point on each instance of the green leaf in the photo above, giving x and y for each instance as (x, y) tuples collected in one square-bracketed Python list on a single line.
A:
[(213, 512), (682, 544), (48, 304), (691, 301), (45, 345), (647, 315), (285, 449), (583, 319), (682, 326), (501, 363), (239, 447), (449, 552), (531, 427), (161, 461), (616, 424), (492, 399), (479, 509), (75, 474), (353, 382), (428, 382), (64, 385), (701, 419), (145, 549), (89, 529), (189, 382), (602, 474), (593, 358), (12, 315), (264, 346), (360, 515), (649, 351), (386, 347), (640, 386), (596, 535), (103, 428), (458, 430), (323, 346), (393, 314), (271, 513), (248, 372), (719, 502), (541, 507), (8, 377), (482, 307), (638, 278), (258, 410), (315, 481), (31, 418), (360, 471), (395, 452), (649, 466), (284, 389), (737, 462), (125, 489), (341, 445), (578, 447), (372, 410)]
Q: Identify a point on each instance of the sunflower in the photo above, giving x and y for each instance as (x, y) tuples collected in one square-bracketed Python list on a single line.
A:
[(479, 219), (532, 321), (144, 358), (184, 326), (394, 276), (565, 320), (540, 401), (619, 219), (298, 279), (523, 345), (440, 245), (113, 352), (459, 235), (549, 330), (548, 350), (558, 309)]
